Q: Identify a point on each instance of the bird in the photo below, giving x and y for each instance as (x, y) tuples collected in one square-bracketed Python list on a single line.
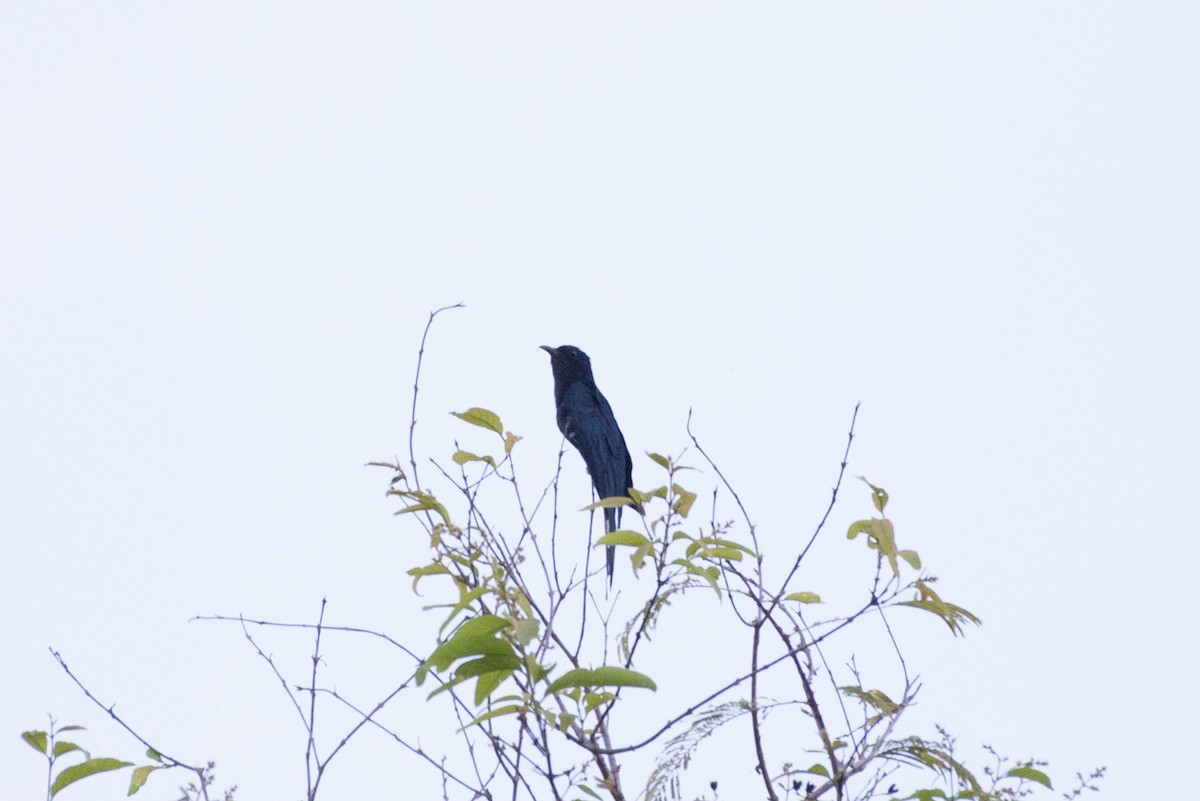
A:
[(586, 420)]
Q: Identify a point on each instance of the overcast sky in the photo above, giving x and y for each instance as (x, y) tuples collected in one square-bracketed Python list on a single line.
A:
[(223, 226)]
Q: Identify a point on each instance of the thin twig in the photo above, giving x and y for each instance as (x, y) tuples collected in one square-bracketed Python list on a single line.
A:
[(109, 708), (412, 427), (368, 718), (755, 721), (832, 499), (691, 710), (346, 629), (311, 758)]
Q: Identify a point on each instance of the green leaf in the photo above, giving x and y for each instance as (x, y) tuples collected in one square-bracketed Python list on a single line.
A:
[(61, 729), (481, 624), (881, 536), (640, 498), (448, 685), (623, 537), (877, 699), (535, 669), (818, 769), (609, 676), (462, 457), (605, 676), (928, 795), (466, 598), (728, 554), (594, 700), (83, 770), (434, 569), (683, 500), (525, 630), (64, 747), (608, 503), (1032, 774), (482, 418), (930, 601), (914, 561), (38, 740), (709, 574), (486, 684), (423, 501), (462, 647), (878, 496), (491, 663), (856, 528), (646, 497), (731, 544), (139, 777), (511, 709), (803, 597), (157, 757), (475, 637), (660, 460)]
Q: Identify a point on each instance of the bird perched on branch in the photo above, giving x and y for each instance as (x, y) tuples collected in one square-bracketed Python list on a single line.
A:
[(586, 420)]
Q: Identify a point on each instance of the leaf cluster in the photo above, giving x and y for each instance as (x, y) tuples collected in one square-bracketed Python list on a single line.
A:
[(49, 743)]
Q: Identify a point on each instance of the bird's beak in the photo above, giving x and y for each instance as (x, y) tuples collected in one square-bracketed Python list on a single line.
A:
[(548, 349)]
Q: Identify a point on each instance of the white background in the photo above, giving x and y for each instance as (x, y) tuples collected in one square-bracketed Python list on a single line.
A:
[(223, 226)]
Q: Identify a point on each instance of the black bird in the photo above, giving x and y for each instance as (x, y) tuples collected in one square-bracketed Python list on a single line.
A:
[(586, 420)]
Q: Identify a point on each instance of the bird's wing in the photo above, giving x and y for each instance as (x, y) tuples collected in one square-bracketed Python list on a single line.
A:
[(623, 462), (588, 423)]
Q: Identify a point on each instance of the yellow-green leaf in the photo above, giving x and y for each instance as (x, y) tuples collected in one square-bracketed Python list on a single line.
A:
[(423, 501), (482, 418), (856, 528), (954, 616), (875, 698), (83, 770), (615, 502), (37, 740), (434, 569), (460, 647), (605, 676), (683, 500), (623, 537), (462, 457), (488, 682), (139, 777), (709, 574), (1032, 774), (64, 747), (878, 496), (525, 630), (594, 700), (803, 597), (511, 709), (718, 552)]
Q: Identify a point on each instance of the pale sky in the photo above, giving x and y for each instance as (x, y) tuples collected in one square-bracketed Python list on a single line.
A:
[(224, 226)]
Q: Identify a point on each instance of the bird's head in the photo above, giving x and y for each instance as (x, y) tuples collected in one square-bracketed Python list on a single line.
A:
[(569, 362)]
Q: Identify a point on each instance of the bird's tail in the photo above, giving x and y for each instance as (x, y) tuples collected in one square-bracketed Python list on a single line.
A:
[(612, 520)]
